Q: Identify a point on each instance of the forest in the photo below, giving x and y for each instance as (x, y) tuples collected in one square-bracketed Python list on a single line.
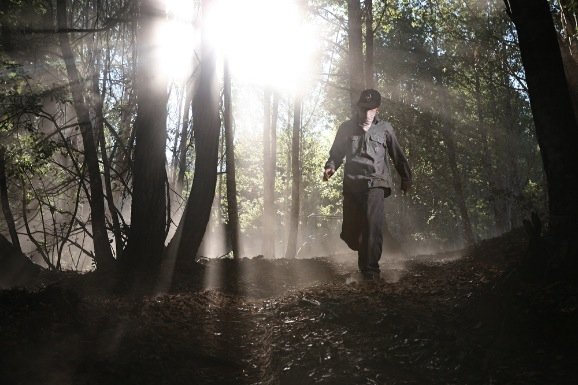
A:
[(165, 220)]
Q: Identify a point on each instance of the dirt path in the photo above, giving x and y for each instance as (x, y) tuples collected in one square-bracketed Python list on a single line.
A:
[(433, 320)]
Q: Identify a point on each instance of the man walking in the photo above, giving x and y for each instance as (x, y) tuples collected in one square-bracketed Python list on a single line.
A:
[(364, 142)]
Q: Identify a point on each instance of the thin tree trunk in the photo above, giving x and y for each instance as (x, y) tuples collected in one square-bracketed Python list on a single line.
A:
[(513, 185), (268, 181), (511, 179), (369, 52), (6, 203), (182, 102), (356, 78), (296, 185), (556, 127), (457, 184), (274, 119), (145, 243), (487, 163), (232, 206), (98, 97), (185, 135), (103, 255)]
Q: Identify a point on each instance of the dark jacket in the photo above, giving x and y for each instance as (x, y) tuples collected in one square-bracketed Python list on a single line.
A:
[(366, 163)]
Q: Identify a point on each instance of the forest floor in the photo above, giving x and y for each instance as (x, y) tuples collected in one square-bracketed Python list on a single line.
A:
[(468, 317)]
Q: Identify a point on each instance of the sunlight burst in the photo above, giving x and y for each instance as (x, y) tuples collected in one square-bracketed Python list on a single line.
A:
[(267, 42), (176, 36)]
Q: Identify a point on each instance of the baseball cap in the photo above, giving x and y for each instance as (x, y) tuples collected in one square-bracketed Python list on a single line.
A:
[(369, 99)]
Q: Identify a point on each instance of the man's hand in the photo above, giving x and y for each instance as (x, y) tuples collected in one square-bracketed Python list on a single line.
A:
[(327, 174), (405, 186)]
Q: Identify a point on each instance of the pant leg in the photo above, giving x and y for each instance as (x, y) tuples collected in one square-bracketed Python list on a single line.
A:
[(351, 226), (373, 231)]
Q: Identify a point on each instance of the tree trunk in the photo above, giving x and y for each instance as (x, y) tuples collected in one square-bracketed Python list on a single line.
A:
[(369, 52), (268, 181), (512, 184), (98, 96), (274, 118), (185, 135), (495, 196), (146, 238), (296, 185), (6, 203), (569, 23), (571, 71), (556, 128), (460, 199), (103, 255), (181, 101), (206, 125), (232, 204), (356, 77), (569, 49)]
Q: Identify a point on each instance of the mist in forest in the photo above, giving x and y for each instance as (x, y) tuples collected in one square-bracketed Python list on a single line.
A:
[(452, 86)]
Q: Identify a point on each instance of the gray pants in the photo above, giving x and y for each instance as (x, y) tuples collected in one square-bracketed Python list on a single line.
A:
[(362, 229)]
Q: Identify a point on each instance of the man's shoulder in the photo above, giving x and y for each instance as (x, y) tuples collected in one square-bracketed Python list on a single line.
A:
[(348, 123), (348, 126), (383, 126)]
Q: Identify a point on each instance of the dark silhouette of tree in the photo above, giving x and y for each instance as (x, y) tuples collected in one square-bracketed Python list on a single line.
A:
[(556, 128), (5, 203), (103, 255), (98, 94), (206, 125), (369, 54), (145, 243), (355, 38), (184, 139)]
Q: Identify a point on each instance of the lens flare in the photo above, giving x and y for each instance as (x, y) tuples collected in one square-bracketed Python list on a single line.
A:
[(267, 42), (177, 39)]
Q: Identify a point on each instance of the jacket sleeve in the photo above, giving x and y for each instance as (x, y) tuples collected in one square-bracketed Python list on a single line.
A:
[(397, 156), (338, 149)]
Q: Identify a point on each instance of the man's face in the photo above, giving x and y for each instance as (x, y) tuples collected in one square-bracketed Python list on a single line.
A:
[(366, 116)]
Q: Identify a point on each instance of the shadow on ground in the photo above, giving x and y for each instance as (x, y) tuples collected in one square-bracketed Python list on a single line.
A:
[(433, 320)]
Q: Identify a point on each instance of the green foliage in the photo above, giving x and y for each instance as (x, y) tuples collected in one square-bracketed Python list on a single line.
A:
[(445, 66)]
